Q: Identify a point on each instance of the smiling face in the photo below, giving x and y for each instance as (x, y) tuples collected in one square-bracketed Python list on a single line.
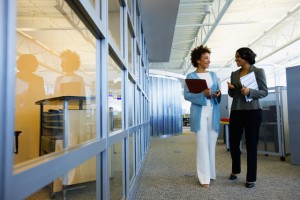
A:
[(204, 61), (240, 61)]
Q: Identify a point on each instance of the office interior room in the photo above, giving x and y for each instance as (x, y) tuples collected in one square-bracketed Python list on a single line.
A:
[(77, 81)]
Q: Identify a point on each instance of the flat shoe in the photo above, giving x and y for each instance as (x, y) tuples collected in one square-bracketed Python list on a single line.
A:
[(249, 185), (232, 177), (204, 185)]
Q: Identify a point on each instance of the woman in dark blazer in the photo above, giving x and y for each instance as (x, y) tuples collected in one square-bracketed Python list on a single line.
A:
[(245, 115)]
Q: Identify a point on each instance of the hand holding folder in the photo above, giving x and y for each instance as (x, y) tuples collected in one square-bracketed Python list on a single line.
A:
[(249, 81), (196, 85)]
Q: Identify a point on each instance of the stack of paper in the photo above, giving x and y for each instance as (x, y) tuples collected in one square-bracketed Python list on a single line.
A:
[(249, 81)]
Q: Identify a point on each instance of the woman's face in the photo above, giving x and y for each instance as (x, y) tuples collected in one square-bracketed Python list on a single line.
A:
[(239, 61), (204, 60)]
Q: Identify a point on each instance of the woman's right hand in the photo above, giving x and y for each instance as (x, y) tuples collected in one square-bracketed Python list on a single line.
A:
[(207, 92), (230, 86)]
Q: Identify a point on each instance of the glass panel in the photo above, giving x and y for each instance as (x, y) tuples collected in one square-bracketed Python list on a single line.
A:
[(116, 171), (268, 134), (160, 106), (93, 2), (138, 108), (138, 147), (130, 43), (143, 109), (79, 183), (142, 78), (131, 155), (138, 28), (129, 5), (55, 76), (114, 22), (130, 102), (144, 81), (137, 68), (166, 115), (114, 96)]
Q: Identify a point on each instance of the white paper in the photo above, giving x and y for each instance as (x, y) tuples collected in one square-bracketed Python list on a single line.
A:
[(249, 81)]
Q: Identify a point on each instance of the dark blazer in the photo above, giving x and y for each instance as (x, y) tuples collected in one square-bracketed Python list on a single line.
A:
[(239, 101)]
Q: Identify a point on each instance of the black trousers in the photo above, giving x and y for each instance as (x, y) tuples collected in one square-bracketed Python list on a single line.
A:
[(248, 121)]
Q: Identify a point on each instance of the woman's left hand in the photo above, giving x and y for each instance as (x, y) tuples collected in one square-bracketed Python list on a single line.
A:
[(217, 94), (245, 91)]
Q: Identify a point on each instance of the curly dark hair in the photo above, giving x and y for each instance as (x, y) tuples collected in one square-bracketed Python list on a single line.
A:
[(247, 54), (197, 53)]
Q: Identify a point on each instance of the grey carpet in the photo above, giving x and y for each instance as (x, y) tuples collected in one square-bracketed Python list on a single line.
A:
[(170, 173)]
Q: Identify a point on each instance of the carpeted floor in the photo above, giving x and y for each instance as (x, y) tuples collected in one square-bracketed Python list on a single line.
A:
[(170, 173)]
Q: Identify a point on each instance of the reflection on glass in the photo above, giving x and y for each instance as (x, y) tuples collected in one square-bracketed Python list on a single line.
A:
[(114, 22), (138, 107), (70, 83), (47, 70), (137, 69), (131, 156), (138, 147), (130, 47), (93, 2), (129, 5), (79, 183), (142, 76), (29, 89), (114, 96), (116, 171), (138, 28), (130, 103), (268, 133)]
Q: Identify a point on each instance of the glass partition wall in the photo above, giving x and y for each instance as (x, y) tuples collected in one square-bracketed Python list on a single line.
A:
[(273, 133), (55, 79), (77, 133), (166, 112)]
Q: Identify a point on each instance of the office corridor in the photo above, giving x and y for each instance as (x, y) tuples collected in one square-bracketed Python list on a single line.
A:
[(170, 173)]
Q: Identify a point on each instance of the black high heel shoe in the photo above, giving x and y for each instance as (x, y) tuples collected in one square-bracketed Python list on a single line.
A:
[(232, 177), (249, 185)]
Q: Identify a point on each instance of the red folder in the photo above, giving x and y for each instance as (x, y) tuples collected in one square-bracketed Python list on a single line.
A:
[(196, 85)]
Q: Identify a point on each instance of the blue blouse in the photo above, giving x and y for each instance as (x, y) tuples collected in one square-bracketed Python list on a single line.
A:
[(198, 100)]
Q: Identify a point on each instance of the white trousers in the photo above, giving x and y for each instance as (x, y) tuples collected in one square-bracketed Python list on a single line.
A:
[(206, 140)]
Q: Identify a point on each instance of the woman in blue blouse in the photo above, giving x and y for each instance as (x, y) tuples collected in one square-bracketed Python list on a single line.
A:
[(204, 115)]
